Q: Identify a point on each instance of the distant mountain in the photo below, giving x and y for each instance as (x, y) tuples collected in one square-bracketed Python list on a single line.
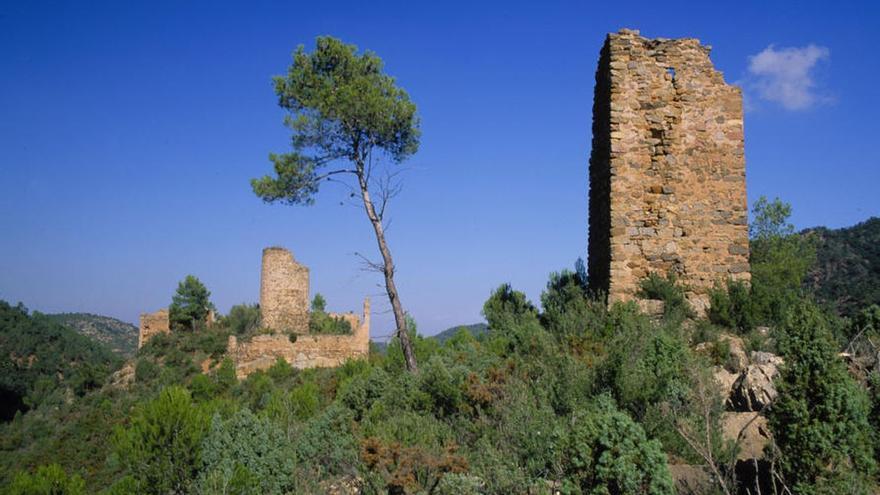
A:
[(847, 271), (38, 355), (475, 329), (119, 336)]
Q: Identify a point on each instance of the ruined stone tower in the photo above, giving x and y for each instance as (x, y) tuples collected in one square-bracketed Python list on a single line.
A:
[(667, 169), (284, 292)]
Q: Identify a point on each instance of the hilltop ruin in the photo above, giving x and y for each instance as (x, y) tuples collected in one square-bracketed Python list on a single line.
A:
[(667, 169), (284, 304)]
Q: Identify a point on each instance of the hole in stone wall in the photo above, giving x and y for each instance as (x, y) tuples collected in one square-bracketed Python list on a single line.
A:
[(671, 72)]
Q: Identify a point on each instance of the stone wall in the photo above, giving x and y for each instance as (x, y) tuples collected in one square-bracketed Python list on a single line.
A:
[(308, 351), (152, 324), (284, 292), (160, 322), (667, 169)]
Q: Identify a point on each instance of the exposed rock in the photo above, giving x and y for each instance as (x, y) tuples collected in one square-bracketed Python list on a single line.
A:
[(738, 360), (690, 480), (651, 307), (347, 485), (754, 388), (725, 380), (123, 377), (755, 436), (760, 357)]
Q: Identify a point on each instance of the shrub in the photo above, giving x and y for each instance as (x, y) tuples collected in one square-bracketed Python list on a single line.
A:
[(322, 323), (507, 307), (47, 480), (248, 453), (326, 446), (666, 289), (161, 446), (568, 310), (820, 419), (243, 318), (731, 306), (607, 452)]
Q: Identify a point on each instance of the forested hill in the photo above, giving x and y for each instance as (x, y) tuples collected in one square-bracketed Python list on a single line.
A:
[(41, 360), (119, 336), (847, 270), (475, 329)]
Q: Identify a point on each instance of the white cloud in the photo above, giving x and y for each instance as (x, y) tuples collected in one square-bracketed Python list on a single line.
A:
[(785, 75)]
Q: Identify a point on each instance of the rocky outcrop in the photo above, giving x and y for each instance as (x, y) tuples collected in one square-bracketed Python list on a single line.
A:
[(750, 428), (754, 389)]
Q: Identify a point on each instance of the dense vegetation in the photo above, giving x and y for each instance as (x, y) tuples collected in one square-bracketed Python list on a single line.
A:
[(43, 362), (571, 397), (847, 271), (121, 337)]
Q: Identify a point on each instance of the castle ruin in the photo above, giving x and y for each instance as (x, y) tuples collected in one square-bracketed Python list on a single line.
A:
[(284, 305), (284, 292), (667, 169), (152, 324)]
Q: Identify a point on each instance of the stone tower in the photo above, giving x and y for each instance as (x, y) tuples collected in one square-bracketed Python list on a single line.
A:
[(667, 169), (284, 292)]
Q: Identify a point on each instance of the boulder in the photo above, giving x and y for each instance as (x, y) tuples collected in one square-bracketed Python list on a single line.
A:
[(690, 479), (725, 380), (738, 359), (760, 357), (755, 436), (754, 388)]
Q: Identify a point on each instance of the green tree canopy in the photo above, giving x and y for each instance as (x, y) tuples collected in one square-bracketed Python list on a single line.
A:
[(346, 116), (190, 304), (820, 419), (779, 259), (161, 446)]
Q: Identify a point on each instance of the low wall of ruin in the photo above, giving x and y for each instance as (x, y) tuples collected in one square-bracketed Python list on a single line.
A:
[(308, 351)]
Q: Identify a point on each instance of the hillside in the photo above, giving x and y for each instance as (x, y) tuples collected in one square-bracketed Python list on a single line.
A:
[(475, 329), (847, 271), (40, 359), (121, 337)]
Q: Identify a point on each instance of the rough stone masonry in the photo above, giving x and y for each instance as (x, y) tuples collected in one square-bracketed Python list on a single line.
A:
[(284, 292), (667, 169)]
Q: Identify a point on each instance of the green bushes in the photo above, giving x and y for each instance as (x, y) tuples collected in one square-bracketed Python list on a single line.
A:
[(820, 419), (666, 289), (607, 452), (731, 306), (247, 454), (47, 480), (161, 446), (322, 323), (243, 319)]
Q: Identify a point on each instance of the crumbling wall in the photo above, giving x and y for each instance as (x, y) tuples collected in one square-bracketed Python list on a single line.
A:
[(284, 292), (160, 322), (152, 324), (667, 169), (308, 351)]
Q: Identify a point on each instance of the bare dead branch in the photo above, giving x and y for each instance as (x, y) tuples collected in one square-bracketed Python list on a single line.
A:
[(370, 265)]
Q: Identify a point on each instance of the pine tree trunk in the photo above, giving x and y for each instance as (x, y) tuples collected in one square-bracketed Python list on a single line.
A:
[(388, 271)]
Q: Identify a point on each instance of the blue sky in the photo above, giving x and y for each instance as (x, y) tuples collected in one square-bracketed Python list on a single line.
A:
[(130, 132)]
